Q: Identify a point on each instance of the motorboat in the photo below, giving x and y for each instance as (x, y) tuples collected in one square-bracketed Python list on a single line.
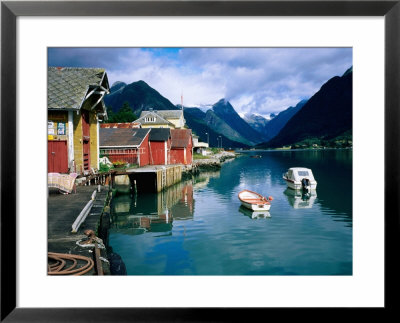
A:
[(300, 178), (254, 214), (254, 201)]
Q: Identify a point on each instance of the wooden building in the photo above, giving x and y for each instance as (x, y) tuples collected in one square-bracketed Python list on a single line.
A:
[(75, 107), (160, 146), (200, 147), (150, 119), (173, 116), (181, 147), (130, 145), (172, 119)]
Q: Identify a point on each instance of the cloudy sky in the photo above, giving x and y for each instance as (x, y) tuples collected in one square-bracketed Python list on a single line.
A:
[(258, 80)]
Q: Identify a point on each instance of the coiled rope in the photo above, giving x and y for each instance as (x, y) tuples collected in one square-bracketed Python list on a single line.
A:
[(61, 264)]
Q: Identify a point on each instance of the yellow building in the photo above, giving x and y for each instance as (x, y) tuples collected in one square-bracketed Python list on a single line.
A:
[(172, 119), (75, 107)]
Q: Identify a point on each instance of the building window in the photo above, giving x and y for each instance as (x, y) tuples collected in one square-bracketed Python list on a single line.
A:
[(150, 119)]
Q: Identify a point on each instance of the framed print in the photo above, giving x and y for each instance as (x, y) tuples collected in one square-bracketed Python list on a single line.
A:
[(366, 33)]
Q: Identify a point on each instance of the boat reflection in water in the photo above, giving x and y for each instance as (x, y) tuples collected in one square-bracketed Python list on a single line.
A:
[(152, 212), (254, 214), (299, 199)]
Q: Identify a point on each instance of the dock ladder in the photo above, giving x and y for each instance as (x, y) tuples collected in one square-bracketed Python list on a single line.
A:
[(164, 177)]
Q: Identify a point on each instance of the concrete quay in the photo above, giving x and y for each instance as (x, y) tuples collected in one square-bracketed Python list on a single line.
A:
[(212, 163)]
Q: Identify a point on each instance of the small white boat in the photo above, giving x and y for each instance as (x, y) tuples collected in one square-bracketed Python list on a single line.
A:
[(300, 178), (254, 201)]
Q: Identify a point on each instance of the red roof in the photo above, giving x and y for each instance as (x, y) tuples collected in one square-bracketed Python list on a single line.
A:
[(180, 138), (129, 125)]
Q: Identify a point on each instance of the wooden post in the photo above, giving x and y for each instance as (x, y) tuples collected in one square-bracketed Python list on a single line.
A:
[(99, 266)]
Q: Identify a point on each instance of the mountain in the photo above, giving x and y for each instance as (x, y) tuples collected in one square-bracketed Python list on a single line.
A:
[(118, 87), (276, 124), (222, 120), (139, 95), (223, 112), (196, 120), (326, 115), (257, 122), (219, 125), (269, 128)]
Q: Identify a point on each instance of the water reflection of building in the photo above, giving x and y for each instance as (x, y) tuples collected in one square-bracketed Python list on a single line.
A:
[(154, 212), (203, 179), (254, 214), (183, 209), (300, 200)]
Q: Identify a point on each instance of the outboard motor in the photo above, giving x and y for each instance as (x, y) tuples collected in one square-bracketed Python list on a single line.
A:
[(305, 184)]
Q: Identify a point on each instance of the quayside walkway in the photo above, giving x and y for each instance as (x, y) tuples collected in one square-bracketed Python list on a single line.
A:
[(63, 210)]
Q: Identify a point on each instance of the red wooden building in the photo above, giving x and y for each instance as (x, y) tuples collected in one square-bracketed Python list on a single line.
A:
[(160, 146), (181, 146), (130, 145)]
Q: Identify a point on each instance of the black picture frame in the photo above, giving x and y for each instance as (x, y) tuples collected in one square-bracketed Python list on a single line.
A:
[(10, 10)]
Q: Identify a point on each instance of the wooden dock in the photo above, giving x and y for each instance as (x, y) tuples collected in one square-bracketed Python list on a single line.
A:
[(63, 211), (152, 178)]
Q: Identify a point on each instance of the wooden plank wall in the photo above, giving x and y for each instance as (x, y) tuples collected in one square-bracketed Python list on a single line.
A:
[(94, 151), (78, 145), (173, 176)]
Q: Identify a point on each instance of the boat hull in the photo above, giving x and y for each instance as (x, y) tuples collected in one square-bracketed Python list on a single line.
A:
[(254, 201), (297, 185)]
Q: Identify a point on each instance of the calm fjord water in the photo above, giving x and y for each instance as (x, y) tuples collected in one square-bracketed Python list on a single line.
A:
[(197, 227)]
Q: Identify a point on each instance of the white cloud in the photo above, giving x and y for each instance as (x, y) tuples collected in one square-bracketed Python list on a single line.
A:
[(262, 80)]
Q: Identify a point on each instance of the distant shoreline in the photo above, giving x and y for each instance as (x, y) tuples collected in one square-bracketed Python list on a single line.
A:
[(214, 162), (289, 149)]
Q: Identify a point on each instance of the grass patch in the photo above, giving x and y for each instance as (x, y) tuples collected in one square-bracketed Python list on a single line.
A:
[(200, 156)]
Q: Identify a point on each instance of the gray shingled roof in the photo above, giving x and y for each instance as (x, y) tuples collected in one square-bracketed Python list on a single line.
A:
[(160, 134), (68, 86), (166, 114), (158, 118), (122, 137)]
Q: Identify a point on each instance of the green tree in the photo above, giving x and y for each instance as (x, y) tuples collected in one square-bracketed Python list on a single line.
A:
[(110, 115), (125, 114)]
